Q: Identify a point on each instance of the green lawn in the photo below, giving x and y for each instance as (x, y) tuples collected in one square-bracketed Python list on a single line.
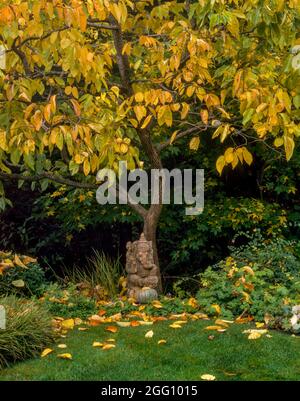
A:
[(187, 355)]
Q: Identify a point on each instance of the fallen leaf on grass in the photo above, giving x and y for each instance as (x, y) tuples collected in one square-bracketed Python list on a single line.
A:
[(82, 328), (157, 304), (112, 329), (208, 377), (108, 346), (97, 344), (180, 322), (123, 324), (112, 340), (259, 325), (102, 312), (221, 323), (46, 352), (222, 330), (268, 335), (95, 320), (134, 323), (144, 323), (175, 326), (62, 346), (160, 342), (68, 324), (64, 356), (149, 334), (254, 336), (230, 374), (214, 328), (264, 331), (77, 321)]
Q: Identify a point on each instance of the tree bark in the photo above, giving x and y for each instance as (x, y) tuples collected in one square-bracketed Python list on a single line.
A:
[(150, 229)]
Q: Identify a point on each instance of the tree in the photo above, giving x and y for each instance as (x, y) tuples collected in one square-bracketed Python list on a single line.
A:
[(90, 83)]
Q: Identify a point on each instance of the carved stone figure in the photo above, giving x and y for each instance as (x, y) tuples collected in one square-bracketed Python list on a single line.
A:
[(142, 272)]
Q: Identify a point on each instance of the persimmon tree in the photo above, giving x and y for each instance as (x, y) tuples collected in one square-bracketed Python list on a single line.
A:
[(89, 83)]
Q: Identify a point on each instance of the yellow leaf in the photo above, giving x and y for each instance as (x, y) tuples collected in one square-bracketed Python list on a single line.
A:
[(18, 262), (289, 146), (204, 116), (62, 346), (112, 329), (97, 344), (146, 121), (173, 137), (139, 97), (86, 167), (140, 112), (82, 328), (247, 156), (149, 334), (68, 324), (47, 112), (214, 328), (220, 164), (53, 103), (123, 324), (217, 308), (208, 377), (37, 120), (254, 336), (229, 155), (175, 326), (76, 107), (64, 356), (278, 142), (195, 143), (221, 322), (157, 304), (143, 323), (108, 346), (160, 342), (259, 325), (46, 352), (193, 303), (184, 111)]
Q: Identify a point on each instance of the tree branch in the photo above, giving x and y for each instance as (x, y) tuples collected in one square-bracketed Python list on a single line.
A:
[(181, 135), (64, 181)]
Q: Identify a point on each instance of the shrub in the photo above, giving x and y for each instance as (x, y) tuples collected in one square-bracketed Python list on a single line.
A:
[(261, 279), (28, 330), (68, 302), (100, 277), (20, 275)]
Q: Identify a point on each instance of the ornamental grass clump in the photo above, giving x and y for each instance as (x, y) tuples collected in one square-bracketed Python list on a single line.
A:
[(28, 330)]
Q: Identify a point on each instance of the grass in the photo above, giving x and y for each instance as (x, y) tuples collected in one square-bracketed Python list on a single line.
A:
[(187, 355), (100, 270), (28, 330)]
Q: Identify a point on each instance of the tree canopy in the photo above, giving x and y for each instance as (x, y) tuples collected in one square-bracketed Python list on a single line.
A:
[(89, 83)]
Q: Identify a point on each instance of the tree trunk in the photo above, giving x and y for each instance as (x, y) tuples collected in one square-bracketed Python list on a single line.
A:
[(150, 228)]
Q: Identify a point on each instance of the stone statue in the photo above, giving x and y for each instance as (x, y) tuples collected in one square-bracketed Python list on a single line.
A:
[(142, 272)]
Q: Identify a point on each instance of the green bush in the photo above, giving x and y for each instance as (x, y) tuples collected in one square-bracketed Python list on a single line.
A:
[(261, 279), (28, 331), (69, 302), (21, 275)]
